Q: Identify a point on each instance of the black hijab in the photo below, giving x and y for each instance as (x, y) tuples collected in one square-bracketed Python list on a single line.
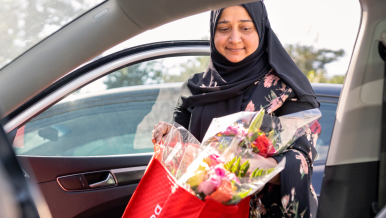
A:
[(219, 90)]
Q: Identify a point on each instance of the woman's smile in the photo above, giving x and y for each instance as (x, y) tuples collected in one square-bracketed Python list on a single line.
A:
[(236, 36), (235, 50)]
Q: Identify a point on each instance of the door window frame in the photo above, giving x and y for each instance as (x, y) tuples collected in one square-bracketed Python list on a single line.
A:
[(84, 75)]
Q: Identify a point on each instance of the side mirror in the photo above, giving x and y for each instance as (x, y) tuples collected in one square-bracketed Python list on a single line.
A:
[(49, 133)]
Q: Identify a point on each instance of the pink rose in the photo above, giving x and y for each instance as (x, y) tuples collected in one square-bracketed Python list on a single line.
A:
[(218, 171), (210, 185), (213, 158)]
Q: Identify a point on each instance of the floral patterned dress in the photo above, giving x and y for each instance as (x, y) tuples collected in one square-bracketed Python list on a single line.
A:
[(295, 197)]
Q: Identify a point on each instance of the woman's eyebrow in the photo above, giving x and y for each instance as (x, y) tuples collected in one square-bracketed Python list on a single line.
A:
[(225, 21), (245, 21)]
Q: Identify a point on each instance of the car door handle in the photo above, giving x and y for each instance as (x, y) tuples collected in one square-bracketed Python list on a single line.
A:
[(107, 182)]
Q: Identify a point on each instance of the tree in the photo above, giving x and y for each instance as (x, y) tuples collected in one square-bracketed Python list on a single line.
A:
[(337, 79), (139, 74), (312, 62), (192, 66), (24, 23)]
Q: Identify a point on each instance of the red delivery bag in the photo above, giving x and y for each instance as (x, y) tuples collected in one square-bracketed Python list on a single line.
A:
[(159, 196)]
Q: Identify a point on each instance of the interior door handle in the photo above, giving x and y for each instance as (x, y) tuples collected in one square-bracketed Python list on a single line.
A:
[(109, 181)]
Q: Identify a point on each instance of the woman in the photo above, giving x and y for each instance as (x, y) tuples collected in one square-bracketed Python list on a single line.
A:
[(249, 70)]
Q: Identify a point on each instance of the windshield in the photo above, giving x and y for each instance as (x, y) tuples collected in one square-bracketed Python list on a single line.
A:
[(24, 23)]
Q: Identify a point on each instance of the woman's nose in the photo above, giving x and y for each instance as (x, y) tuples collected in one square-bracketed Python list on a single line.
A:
[(235, 37)]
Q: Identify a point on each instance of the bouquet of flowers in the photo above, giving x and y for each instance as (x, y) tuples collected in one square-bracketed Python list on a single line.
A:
[(230, 164)]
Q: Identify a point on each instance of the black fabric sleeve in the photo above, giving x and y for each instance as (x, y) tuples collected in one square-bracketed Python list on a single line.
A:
[(181, 115)]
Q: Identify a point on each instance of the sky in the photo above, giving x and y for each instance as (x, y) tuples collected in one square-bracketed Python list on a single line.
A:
[(330, 24)]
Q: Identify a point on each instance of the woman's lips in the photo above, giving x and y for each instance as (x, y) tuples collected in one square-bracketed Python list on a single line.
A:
[(235, 49)]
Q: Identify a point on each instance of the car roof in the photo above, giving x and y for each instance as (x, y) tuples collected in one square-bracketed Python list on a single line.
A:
[(321, 89), (327, 89)]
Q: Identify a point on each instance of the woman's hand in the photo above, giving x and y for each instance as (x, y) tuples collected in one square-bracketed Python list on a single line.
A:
[(160, 130)]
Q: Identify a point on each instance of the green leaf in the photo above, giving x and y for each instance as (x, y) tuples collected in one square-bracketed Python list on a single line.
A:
[(254, 136), (270, 170), (245, 193), (253, 174), (273, 95), (244, 168), (259, 173), (229, 165), (242, 144), (271, 135), (302, 175), (236, 167), (256, 122), (302, 213)]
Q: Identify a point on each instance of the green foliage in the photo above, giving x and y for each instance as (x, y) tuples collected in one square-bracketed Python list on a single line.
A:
[(236, 166), (24, 23), (337, 79), (139, 74), (254, 137), (154, 72), (243, 169), (239, 196), (312, 62), (271, 135), (256, 122), (253, 174), (261, 172), (189, 68), (229, 165)]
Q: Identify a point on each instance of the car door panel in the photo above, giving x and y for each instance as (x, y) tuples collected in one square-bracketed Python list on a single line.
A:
[(90, 202), (87, 203), (47, 169), (349, 185)]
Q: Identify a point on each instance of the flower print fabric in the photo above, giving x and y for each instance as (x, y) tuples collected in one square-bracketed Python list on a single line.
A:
[(295, 196)]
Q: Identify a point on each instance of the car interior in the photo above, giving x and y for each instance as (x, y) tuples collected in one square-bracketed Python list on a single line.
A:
[(98, 169)]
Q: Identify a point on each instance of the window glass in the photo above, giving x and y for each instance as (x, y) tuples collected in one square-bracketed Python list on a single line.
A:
[(327, 123), (112, 115), (24, 23)]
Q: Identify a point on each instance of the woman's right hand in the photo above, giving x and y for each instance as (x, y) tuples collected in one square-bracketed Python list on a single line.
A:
[(160, 130)]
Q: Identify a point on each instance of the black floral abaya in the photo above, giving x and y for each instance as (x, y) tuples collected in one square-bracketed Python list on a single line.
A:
[(267, 79)]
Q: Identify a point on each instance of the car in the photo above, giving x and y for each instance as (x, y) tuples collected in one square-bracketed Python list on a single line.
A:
[(64, 128), (99, 185)]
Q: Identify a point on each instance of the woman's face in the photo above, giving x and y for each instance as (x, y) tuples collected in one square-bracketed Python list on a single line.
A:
[(236, 36)]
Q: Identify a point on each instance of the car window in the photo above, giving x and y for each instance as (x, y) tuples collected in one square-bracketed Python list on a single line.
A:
[(327, 123), (24, 23), (112, 115)]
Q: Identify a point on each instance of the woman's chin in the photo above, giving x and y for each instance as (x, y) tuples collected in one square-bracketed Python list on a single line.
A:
[(235, 59)]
